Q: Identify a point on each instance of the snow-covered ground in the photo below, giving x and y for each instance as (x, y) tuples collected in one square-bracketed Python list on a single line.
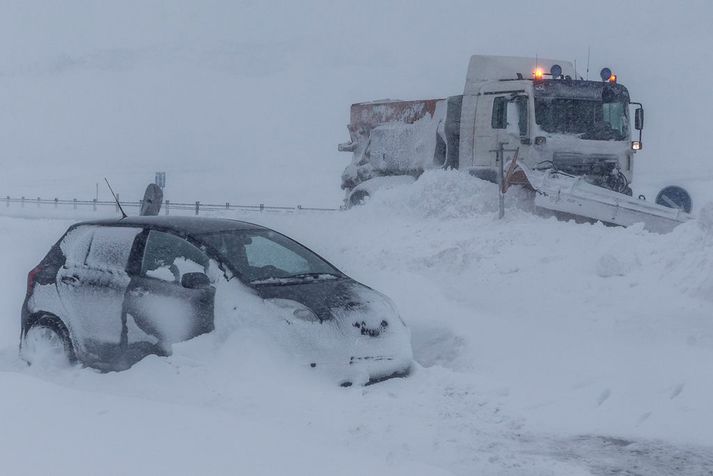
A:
[(544, 348)]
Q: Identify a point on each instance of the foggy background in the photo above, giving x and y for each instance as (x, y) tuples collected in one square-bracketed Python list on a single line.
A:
[(246, 101)]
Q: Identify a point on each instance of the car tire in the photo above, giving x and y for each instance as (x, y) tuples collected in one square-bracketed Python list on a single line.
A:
[(47, 344)]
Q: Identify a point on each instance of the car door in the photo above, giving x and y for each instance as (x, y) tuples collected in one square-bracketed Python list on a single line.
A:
[(169, 298), (92, 285)]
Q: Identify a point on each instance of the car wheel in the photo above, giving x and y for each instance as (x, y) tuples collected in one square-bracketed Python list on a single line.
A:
[(46, 344)]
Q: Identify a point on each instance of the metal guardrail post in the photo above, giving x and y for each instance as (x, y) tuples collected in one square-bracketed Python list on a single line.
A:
[(500, 161), (56, 202), (168, 203), (38, 202), (94, 204), (198, 205), (227, 205), (7, 201), (22, 202), (501, 183), (262, 206), (74, 202)]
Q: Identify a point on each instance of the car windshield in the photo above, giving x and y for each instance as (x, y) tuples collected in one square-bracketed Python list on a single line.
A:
[(267, 257)]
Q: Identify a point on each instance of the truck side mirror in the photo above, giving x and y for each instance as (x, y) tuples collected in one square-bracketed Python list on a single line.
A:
[(639, 119)]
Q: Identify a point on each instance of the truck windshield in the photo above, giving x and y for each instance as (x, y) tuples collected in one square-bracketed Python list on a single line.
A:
[(594, 120), (592, 110)]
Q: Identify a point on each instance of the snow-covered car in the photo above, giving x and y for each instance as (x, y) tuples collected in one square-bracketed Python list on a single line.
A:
[(110, 292)]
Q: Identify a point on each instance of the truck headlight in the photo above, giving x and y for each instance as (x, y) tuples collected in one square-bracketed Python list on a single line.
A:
[(636, 145)]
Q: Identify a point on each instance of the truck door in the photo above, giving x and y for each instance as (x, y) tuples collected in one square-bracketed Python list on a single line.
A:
[(169, 299), (501, 118)]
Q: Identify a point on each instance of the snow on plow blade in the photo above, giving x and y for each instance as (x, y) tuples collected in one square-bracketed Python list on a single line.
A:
[(573, 195)]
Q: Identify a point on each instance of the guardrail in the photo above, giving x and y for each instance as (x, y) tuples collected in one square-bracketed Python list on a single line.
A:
[(167, 206)]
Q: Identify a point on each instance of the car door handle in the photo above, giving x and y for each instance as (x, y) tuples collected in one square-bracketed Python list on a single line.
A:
[(70, 279)]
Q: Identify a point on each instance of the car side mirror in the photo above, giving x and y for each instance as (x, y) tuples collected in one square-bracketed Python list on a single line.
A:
[(195, 281), (639, 119)]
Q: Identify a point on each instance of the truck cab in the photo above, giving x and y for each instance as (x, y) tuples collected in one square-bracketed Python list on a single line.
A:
[(553, 121)]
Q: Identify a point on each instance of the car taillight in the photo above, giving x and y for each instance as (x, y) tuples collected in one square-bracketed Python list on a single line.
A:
[(31, 277)]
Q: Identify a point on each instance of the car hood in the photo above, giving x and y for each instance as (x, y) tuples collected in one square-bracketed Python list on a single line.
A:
[(327, 298), (359, 336)]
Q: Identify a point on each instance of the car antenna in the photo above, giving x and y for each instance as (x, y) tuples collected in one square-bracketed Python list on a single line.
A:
[(118, 204)]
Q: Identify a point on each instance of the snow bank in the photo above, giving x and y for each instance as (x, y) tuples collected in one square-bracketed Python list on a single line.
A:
[(443, 194)]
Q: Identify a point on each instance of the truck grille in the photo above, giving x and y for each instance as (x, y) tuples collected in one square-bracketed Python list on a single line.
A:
[(577, 163)]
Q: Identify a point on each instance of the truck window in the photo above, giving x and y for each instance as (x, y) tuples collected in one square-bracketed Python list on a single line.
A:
[(510, 114), (499, 119), (516, 116)]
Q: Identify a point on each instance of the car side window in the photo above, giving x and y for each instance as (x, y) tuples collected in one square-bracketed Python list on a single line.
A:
[(265, 252), (168, 257), (111, 246)]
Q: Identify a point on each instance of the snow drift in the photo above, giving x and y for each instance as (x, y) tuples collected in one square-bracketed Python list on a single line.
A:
[(543, 347)]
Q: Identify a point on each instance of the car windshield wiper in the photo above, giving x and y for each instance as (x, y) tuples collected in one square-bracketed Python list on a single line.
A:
[(295, 278), (314, 275)]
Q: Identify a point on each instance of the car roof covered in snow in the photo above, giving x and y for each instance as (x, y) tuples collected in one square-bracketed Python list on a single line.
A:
[(181, 224)]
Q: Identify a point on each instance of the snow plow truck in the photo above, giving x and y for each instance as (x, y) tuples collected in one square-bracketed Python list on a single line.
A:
[(525, 121)]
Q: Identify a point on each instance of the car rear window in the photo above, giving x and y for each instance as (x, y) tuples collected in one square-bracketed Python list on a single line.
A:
[(111, 247), (75, 244)]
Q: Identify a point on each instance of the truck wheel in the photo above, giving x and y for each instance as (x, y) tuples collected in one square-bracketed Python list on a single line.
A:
[(358, 198), (46, 344)]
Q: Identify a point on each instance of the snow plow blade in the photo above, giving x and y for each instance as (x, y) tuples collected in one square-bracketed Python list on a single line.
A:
[(573, 195)]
